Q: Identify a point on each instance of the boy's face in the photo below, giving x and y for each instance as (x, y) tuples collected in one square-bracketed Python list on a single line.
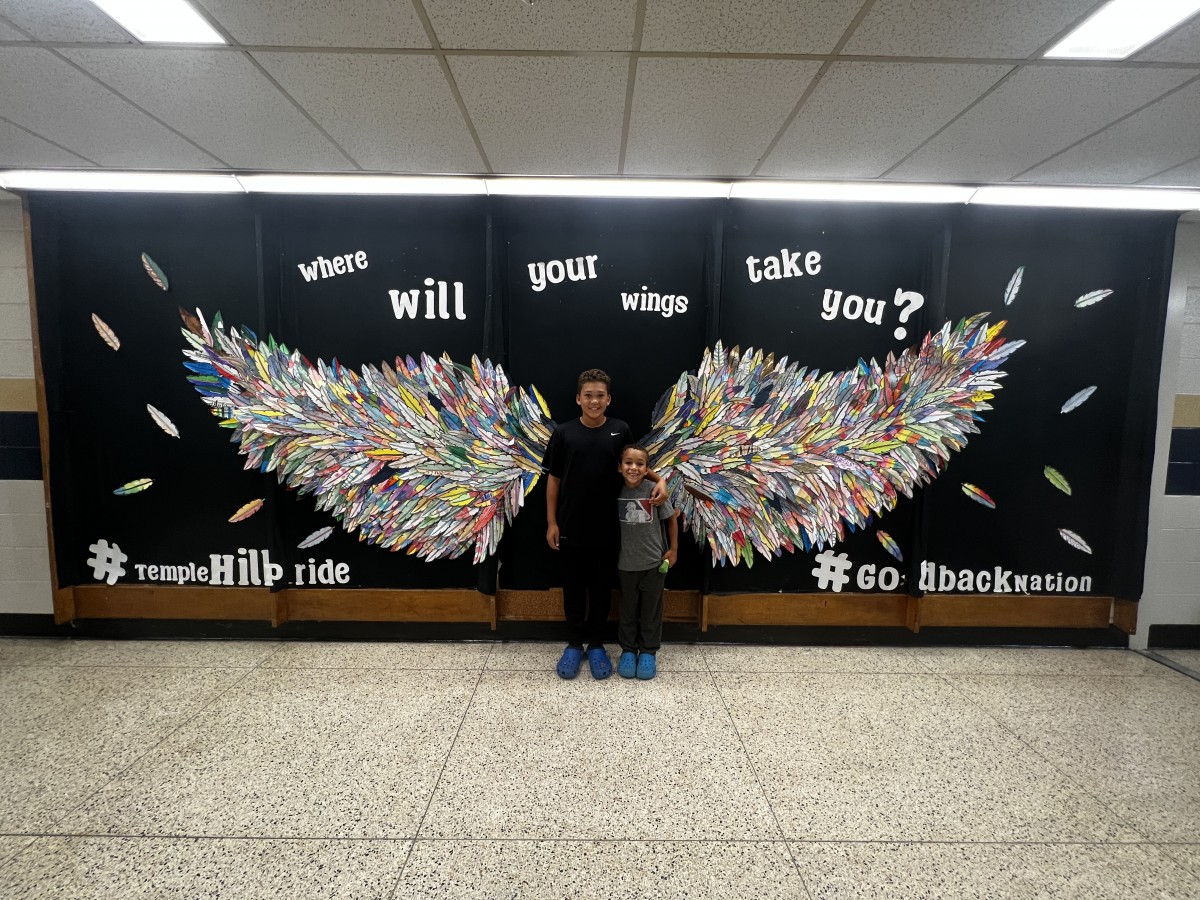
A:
[(633, 467), (593, 400)]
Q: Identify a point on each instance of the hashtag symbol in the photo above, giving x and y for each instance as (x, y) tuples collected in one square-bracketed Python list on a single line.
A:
[(832, 569), (106, 561)]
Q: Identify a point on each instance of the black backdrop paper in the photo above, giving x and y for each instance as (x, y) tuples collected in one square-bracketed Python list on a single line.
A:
[(549, 287)]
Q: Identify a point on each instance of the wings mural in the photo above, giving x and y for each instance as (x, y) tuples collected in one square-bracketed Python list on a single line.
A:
[(436, 457)]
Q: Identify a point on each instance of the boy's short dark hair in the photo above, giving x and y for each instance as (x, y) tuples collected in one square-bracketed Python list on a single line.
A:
[(629, 447), (594, 375)]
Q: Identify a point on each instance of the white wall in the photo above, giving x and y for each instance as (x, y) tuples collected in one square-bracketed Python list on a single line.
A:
[(24, 557), (1172, 592)]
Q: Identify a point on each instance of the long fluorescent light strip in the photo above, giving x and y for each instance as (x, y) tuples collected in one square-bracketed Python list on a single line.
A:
[(851, 192), (161, 21), (1088, 198), (360, 184), (605, 187), (1121, 28), (100, 180)]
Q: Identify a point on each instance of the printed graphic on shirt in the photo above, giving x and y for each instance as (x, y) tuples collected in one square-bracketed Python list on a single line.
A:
[(635, 511)]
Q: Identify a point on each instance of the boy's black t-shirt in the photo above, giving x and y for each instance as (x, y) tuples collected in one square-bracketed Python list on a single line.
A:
[(585, 460)]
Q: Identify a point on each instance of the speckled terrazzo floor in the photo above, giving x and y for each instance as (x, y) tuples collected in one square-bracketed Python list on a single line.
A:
[(157, 769)]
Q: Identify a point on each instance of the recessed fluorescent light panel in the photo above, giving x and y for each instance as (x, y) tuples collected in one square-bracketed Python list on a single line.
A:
[(850, 192), (1088, 198), (100, 180), (605, 187), (161, 21), (360, 184), (1122, 27)]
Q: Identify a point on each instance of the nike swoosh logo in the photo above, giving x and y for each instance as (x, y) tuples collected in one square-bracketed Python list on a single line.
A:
[(613, 433)]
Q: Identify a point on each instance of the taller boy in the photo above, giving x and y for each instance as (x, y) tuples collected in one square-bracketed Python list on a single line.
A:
[(582, 486)]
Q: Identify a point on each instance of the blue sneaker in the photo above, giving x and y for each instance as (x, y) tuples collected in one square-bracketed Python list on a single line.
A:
[(628, 664), (647, 667), (568, 665), (599, 663)]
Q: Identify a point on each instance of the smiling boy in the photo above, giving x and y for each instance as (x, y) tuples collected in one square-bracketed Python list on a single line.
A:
[(582, 483)]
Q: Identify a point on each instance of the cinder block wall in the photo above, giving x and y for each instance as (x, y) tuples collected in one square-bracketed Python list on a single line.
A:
[(24, 557)]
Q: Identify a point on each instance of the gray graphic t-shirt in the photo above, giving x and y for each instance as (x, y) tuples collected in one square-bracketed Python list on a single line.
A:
[(643, 535)]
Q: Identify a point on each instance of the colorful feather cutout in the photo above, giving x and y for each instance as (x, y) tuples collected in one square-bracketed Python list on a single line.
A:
[(245, 512), (767, 456), (134, 487), (1014, 285), (315, 538), (1077, 400), (1055, 478), (978, 495), (157, 275), (1090, 298), (890, 545), (1074, 540), (162, 421), (106, 334), (432, 457)]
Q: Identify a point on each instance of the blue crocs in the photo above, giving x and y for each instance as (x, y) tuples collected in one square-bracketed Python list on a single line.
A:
[(627, 665), (599, 663), (647, 667), (568, 665)]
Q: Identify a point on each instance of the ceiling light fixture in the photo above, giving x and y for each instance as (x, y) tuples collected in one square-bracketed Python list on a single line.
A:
[(104, 180), (1088, 198), (161, 21), (851, 192), (360, 184), (606, 187), (1121, 28)]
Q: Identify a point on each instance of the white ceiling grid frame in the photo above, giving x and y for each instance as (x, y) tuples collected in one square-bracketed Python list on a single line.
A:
[(19, 147), (546, 115), (865, 117), (761, 26), (45, 94), (709, 117), (319, 23), (545, 25), (1121, 154), (988, 29), (218, 99), (391, 113), (64, 20), (1031, 116), (1180, 45)]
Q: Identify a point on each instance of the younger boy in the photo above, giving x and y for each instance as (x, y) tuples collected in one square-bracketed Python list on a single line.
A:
[(646, 554)]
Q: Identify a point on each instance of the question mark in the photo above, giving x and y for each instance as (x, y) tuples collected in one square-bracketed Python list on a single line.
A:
[(915, 301)]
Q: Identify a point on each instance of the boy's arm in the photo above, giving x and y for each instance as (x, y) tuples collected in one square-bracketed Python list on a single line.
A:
[(672, 553), (659, 495), (552, 484)]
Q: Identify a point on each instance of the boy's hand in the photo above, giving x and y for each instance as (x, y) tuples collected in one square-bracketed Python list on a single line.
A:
[(659, 495), (671, 556), (552, 536)]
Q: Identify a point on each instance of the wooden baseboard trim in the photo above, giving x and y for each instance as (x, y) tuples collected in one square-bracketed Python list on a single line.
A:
[(807, 609), (1008, 611), (547, 606)]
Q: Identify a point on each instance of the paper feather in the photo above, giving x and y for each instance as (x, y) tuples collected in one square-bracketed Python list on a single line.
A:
[(1074, 540), (245, 512), (315, 538), (1078, 399), (978, 495), (1014, 285), (134, 487), (763, 455), (890, 545), (1093, 297), (106, 334), (157, 275), (162, 421), (1055, 478)]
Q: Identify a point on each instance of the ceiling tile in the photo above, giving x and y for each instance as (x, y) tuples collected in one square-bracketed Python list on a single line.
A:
[(863, 117), (1004, 29), (10, 34), (709, 117), (1034, 114), (63, 20), (545, 25), (220, 100), (1122, 154), (46, 95), (1181, 45), (391, 113), (1186, 175), (546, 115), (320, 23), (20, 148), (763, 26)]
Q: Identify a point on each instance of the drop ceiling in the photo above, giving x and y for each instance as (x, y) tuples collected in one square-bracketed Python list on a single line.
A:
[(896, 90)]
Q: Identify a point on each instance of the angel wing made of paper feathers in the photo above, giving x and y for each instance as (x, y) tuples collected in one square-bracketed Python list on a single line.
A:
[(430, 457), (767, 456)]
